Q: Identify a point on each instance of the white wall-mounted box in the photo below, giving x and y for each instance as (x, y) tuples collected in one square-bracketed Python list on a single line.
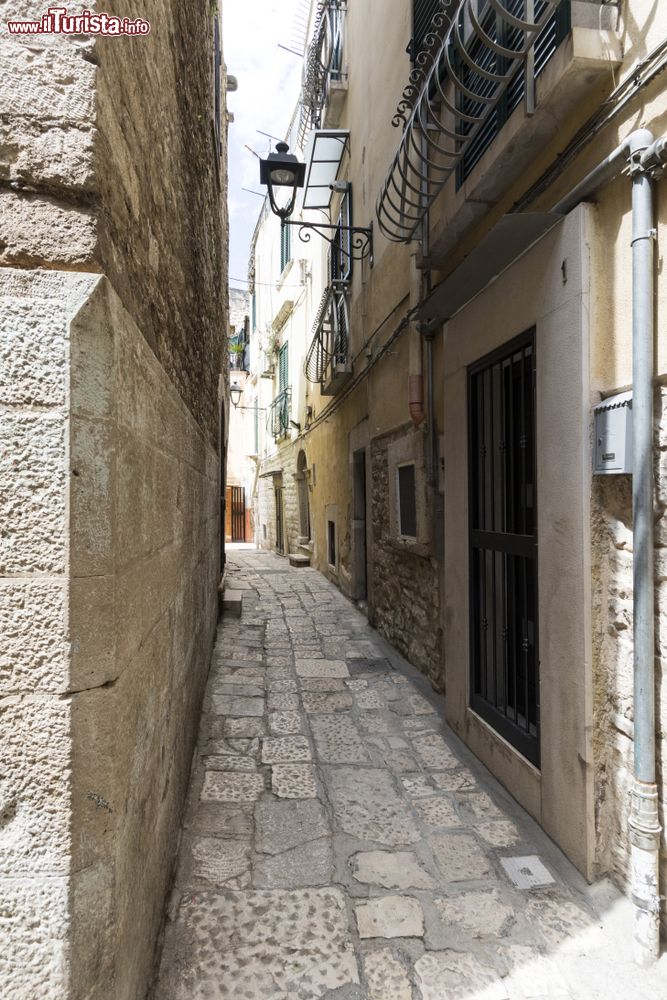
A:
[(612, 429)]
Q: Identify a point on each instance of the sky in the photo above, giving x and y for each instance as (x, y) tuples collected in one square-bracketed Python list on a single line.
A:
[(269, 81)]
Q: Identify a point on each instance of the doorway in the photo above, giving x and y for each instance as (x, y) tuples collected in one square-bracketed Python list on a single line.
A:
[(504, 667), (280, 520), (303, 498), (359, 525)]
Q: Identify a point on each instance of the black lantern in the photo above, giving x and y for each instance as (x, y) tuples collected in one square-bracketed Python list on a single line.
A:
[(282, 169), (235, 394)]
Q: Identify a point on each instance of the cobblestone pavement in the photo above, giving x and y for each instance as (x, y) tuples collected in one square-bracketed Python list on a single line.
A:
[(341, 843)]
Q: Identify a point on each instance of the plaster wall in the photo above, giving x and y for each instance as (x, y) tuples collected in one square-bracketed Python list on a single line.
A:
[(532, 292)]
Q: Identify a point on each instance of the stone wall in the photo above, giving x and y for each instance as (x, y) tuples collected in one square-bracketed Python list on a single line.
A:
[(108, 606), (613, 651), (109, 164), (264, 504), (108, 484), (159, 180), (405, 585)]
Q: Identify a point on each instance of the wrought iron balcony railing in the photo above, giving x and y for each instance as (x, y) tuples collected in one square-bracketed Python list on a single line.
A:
[(328, 361), (475, 60), (279, 414), (323, 64)]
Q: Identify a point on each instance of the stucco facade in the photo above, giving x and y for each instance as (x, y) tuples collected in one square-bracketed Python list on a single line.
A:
[(571, 285), (113, 344)]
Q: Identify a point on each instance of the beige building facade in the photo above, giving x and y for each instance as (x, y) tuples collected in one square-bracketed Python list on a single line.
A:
[(112, 371), (450, 454)]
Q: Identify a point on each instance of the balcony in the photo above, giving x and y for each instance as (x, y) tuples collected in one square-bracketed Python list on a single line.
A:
[(328, 361), (324, 85), (279, 414), (488, 95)]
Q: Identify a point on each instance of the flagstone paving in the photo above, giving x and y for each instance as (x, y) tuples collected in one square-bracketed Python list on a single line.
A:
[(341, 844)]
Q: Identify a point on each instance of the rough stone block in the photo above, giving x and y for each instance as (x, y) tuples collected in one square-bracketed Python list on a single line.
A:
[(34, 788), (33, 958), (32, 493), (46, 82), (390, 917), (37, 230), (33, 352), (33, 639)]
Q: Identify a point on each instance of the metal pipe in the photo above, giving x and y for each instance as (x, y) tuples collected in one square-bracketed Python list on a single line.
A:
[(605, 171), (432, 459), (644, 822)]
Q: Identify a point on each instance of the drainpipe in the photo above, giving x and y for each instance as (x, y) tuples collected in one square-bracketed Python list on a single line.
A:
[(643, 155), (644, 822), (416, 372)]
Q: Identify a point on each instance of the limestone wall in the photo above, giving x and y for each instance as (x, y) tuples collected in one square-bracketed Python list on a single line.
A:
[(35, 638), (613, 649), (108, 605), (109, 412)]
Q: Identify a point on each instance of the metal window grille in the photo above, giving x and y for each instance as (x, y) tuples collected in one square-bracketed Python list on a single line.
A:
[(489, 61), (279, 414), (285, 247), (503, 544), (323, 63), (429, 111), (407, 501), (331, 542), (423, 12)]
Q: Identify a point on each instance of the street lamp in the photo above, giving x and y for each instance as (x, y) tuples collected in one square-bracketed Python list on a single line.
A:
[(235, 393), (282, 170)]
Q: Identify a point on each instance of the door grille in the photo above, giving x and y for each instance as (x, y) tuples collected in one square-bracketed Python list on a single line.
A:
[(504, 665)]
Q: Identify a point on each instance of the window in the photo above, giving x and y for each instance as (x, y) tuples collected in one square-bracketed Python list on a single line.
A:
[(331, 542), (285, 246), (407, 501), (253, 308), (423, 12), (509, 37)]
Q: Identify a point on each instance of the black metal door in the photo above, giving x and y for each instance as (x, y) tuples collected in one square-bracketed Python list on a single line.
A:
[(280, 540), (238, 513), (503, 544)]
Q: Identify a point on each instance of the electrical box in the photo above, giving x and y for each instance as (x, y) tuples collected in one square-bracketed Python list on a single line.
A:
[(612, 445)]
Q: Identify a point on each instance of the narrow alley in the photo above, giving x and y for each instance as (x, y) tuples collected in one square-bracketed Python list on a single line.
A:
[(340, 842)]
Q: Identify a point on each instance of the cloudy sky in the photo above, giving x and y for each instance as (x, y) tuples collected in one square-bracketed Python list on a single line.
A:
[(269, 82)]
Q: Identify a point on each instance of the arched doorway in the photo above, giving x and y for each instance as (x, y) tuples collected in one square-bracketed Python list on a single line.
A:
[(302, 477)]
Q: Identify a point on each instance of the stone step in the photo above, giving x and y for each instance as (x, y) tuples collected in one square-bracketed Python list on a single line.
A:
[(299, 561), (232, 602)]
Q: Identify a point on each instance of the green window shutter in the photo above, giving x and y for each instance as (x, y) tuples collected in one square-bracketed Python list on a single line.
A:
[(283, 367), (423, 12)]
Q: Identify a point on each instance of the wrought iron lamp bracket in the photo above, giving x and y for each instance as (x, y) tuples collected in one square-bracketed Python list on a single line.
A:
[(361, 237)]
